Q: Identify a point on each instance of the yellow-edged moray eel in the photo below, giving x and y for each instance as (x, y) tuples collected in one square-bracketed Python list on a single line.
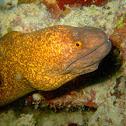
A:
[(48, 58)]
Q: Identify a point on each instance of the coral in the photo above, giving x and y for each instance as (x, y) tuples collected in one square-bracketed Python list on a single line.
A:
[(7, 117), (28, 1), (8, 4), (71, 3), (25, 119), (35, 100), (106, 94), (41, 118), (31, 17), (10, 119), (56, 7), (52, 7)]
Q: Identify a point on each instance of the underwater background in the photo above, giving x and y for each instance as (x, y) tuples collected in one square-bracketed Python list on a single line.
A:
[(93, 99)]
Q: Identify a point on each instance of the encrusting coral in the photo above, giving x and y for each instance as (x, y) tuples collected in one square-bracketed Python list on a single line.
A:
[(102, 91)]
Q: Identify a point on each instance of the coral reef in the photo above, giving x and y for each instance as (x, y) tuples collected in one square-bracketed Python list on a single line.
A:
[(57, 8), (61, 3), (10, 119), (8, 4), (106, 93), (31, 17), (81, 2), (43, 118)]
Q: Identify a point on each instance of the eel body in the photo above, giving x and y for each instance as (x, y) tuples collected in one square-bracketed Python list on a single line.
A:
[(48, 58)]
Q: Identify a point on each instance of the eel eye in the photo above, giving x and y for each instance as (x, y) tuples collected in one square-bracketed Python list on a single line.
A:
[(78, 44)]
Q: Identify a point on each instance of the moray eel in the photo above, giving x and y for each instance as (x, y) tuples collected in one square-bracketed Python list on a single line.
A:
[(48, 58)]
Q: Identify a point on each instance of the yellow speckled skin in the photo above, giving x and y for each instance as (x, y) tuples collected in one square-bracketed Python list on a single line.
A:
[(48, 58)]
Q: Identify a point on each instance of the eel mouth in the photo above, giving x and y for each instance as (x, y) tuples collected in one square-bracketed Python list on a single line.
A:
[(89, 62)]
